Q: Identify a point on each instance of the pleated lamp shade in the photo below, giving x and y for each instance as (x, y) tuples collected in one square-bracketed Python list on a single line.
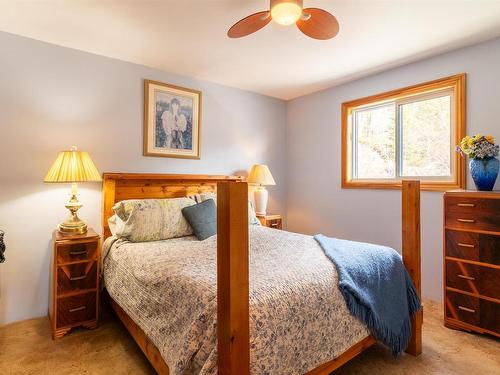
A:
[(73, 166), (260, 174)]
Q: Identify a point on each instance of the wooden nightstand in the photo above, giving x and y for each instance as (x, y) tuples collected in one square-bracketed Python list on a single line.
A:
[(74, 282), (271, 221)]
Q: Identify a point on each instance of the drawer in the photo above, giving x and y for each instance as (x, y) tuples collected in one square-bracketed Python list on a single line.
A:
[(490, 316), (472, 213), (483, 248), (76, 309), (473, 278), (274, 223), (489, 249), (463, 307), (76, 252), (74, 277), (463, 245)]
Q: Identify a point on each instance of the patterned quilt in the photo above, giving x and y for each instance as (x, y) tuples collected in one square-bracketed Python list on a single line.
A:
[(298, 317)]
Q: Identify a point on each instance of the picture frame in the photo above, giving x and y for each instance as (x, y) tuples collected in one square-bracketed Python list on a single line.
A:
[(172, 121)]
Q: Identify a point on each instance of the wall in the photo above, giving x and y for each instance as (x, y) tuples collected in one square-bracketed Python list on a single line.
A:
[(52, 98), (315, 201)]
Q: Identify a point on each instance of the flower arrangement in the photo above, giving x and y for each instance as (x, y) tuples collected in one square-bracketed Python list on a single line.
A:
[(478, 147)]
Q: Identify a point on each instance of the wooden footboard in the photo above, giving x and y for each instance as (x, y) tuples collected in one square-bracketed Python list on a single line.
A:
[(233, 282)]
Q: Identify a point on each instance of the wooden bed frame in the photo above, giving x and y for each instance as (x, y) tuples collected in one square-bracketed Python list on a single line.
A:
[(233, 329)]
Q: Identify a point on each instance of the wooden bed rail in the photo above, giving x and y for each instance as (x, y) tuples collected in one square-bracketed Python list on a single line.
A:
[(233, 330)]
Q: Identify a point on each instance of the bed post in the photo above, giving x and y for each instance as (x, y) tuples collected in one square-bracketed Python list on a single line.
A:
[(108, 201), (411, 253), (233, 327)]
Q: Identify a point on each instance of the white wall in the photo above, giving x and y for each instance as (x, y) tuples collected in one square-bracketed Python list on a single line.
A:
[(52, 98), (315, 201)]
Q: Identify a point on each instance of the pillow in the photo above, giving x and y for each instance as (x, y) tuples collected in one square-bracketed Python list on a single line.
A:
[(152, 219), (115, 223), (252, 217), (203, 218)]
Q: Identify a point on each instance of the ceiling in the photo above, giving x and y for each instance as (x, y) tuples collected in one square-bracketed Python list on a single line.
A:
[(188, 37)]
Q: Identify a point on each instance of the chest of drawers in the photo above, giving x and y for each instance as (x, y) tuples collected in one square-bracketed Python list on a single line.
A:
[(472, 261), (74, 282)]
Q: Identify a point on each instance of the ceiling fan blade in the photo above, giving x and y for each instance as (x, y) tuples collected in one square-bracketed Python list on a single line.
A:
[(318, 24), (249, 25)]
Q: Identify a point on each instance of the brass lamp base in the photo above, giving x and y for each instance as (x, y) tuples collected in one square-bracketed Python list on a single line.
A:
[(73, 225), (67, 228)]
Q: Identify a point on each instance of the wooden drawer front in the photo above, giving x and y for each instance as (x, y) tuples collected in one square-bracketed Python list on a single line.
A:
[(489, 249), (463, 245), (483, 248), (74, 252), (462, 307), (76, 309), (74, 277), (472, 213), (490, 316), (472, 278), (274, 223)]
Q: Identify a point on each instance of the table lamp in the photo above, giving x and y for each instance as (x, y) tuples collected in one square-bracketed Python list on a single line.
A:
[(73, 166), (261, 176)]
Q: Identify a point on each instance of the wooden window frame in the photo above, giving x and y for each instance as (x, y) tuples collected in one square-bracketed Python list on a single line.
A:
[(456, 84)]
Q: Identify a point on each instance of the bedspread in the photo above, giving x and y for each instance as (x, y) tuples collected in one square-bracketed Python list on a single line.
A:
[(298, 317)]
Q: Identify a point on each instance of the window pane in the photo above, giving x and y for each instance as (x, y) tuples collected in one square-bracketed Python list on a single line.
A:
[(426, 137), (375, 142)]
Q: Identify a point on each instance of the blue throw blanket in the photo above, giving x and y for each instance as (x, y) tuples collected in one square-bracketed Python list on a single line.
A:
[(376, 287)]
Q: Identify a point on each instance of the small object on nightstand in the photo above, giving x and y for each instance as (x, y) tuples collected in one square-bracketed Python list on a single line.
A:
[(260, 175), (74, 282), (271, 221)]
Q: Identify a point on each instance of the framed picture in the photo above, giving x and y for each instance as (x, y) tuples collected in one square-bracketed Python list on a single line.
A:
[(172, 121)]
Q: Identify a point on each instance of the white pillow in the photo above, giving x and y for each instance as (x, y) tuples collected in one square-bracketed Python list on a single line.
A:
[(114, 222), (151, 219)]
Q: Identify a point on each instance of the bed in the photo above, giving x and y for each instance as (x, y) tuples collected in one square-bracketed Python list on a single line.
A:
[(244, 313)]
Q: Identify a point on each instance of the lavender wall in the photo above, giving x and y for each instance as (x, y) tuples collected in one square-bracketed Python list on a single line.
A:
[(52, 98), (315, 201)]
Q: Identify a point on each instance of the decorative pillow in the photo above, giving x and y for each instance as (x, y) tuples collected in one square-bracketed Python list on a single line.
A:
[(203, 218), (114, 223), (152, 219), (252, 216)]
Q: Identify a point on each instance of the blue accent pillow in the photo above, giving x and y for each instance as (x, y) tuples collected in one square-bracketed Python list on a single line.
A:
[(203, 218)]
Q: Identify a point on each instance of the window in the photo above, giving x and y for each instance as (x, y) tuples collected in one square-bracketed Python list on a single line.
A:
[(409, 133)]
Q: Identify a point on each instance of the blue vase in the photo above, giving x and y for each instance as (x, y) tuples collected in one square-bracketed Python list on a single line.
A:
[(484, 172)]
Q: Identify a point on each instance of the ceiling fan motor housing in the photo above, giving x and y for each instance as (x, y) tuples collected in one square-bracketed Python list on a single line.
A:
[(286, 12), (300, 3)]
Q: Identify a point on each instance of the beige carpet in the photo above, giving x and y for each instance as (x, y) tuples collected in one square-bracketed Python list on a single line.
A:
[(26, 348)]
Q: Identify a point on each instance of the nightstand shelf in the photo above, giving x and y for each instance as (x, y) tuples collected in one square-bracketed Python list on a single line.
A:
[(271, 221), (74, 282)]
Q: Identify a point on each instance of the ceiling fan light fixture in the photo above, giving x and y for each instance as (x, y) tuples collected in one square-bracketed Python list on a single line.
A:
[(286, 12)]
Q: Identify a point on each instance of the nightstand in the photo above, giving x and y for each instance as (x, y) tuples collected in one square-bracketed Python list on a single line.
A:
[(74, 282), (271, 221)]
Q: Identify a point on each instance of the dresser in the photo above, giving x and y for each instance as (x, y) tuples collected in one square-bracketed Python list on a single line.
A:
[(472, 261), (74, 282)]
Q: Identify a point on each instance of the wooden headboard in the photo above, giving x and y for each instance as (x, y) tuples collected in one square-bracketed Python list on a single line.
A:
[(120, 186)]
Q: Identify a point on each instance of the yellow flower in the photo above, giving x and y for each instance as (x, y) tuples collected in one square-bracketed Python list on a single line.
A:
[(490, 139)]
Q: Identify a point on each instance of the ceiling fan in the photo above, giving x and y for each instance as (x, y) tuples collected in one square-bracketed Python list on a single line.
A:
[(314, 22)]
